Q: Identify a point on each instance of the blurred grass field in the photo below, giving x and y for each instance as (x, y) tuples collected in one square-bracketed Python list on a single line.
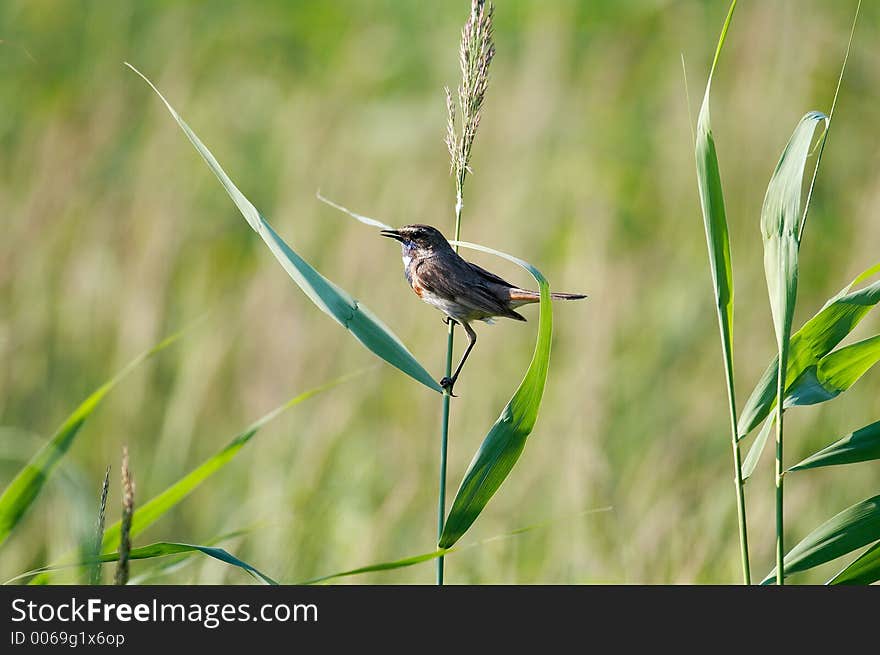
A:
[(116, 234)]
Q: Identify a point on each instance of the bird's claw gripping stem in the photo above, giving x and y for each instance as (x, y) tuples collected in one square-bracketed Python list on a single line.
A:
[(447, 384)]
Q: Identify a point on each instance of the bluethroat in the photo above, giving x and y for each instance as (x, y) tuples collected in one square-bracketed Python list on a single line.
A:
[(463, 291)]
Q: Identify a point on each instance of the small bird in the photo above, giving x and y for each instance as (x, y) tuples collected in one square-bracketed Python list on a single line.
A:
[(463, 291)]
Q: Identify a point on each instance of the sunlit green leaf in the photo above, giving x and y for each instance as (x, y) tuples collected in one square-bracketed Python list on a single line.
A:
[(863, 571), (852, 528), (754, 454), (818, 337), (860, 446), (835, 373), (503, 445), (27, 484)]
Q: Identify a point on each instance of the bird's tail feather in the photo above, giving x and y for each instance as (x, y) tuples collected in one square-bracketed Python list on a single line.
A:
[(526, 296)]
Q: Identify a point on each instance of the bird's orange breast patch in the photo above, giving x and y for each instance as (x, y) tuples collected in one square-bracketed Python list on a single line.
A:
[(418, 289)]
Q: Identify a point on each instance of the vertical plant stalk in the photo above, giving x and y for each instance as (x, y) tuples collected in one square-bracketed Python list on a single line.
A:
[(127, 513), (94, 555), (475, 54), (780, 471)]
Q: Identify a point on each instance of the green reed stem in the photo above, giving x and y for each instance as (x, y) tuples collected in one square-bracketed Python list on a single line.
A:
[(780, 524), (444, 425)]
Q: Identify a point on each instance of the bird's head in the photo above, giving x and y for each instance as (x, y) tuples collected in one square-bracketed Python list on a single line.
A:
[(422, 238)]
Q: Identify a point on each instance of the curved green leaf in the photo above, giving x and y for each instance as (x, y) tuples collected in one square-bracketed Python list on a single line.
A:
[(860, 446), (780, 227), (331, 299), (27, 484), (818, 337), (852, 528), (864, 570), (835, 373), (162, 549), (751, 460), (714, 217), (503, 445), (152, 510)]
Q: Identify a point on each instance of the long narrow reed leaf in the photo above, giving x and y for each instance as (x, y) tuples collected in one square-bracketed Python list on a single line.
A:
[(854, 527), (505, 441), (160, 549), (861, 445), (27, 484), (327, 296), (864, 570), (720, 268)]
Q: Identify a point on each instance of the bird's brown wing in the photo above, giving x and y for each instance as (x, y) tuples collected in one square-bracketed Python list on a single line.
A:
[(466, 287), (482, 272)]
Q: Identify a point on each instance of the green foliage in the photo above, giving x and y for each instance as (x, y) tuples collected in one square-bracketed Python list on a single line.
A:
[(864, 570), (852, 528), (162, 549), (331, 299), (859, 446), (27, 484), (505, 442), (818, 337)]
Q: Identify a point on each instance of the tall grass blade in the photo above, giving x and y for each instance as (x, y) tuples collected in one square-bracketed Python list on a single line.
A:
[(329, 298), (780, 223), (863, 571), (152, 510), (718, 243), (27, 484), (835, 373), (161, 549), (862, 445), (504, 443), (854, 527), (818, 337)]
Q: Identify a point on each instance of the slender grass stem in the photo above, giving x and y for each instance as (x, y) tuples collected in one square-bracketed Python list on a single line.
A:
[(737, 463), (780, 523), (444, 425)]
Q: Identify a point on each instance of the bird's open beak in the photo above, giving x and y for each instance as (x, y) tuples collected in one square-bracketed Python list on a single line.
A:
[(394, 234)]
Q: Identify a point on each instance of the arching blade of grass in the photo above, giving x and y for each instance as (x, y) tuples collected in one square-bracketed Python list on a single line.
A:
[(818, 337), (331, 299), (174, 563), (441, 552), (854, 527), (162, 549), (863, 571), (835, 373), (859, 446), (757, 449), (504, 443), (152, 510), (718, 243), (27, 484), (781, 219)]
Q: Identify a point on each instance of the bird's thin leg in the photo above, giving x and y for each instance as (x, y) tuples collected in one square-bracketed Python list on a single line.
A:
[(447, 383)]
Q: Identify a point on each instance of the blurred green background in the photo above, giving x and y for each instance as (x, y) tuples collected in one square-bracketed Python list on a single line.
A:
[(116, 234)]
